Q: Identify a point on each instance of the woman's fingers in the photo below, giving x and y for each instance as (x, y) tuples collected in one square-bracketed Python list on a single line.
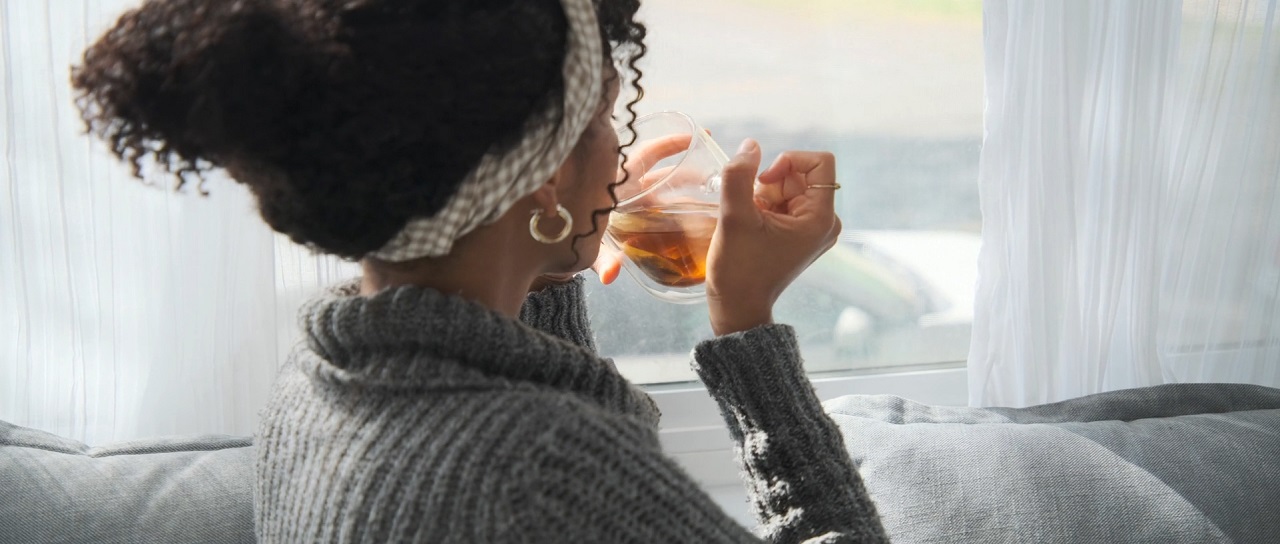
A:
[(771, 197), (792, 176), (649, 153), (608, 264), (837, 227), (653, 176), (737, 190)]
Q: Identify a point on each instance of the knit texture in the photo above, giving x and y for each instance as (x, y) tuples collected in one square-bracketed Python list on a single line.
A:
[(412, 416)]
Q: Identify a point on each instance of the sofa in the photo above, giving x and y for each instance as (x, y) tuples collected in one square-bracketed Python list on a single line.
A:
[(1171, 463)]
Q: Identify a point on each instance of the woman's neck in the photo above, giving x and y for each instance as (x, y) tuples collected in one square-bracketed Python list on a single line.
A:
[(486, 266)]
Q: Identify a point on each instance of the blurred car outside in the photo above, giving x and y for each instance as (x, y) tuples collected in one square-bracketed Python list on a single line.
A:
[(878, 301)]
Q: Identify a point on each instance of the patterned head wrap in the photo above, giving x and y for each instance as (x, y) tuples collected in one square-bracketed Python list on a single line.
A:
[(503, 177)]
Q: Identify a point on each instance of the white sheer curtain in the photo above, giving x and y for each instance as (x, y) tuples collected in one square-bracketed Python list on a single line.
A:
[(126, 310), (1130, 186)]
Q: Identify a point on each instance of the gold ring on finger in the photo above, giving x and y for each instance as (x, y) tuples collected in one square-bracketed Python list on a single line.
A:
[(833, 186)]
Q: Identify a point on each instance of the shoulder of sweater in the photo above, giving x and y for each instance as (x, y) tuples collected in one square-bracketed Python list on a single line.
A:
[(559, 411), (561, 429)]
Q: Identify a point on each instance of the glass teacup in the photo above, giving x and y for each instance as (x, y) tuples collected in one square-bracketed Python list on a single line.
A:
[(668, 206)]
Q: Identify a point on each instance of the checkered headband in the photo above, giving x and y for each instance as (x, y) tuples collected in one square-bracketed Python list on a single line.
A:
[(503, 177)]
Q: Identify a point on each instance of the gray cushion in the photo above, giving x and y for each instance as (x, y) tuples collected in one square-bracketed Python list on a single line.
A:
[(190, 489), (1171, 463)]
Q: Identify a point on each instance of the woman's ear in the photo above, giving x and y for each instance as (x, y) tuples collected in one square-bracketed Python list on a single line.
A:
[(546, 197)]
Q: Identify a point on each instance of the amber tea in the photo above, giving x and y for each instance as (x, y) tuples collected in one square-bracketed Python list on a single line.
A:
[(668, 244)]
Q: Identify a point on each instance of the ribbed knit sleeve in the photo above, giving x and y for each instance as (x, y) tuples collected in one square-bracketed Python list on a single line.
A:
[(561, 310), (594, 479), (799, 476)]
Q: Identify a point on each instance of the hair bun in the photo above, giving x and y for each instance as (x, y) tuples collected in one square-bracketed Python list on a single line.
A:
[(193, 79)]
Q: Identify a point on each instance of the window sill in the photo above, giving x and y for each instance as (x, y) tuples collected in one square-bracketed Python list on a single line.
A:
[(694, 434)]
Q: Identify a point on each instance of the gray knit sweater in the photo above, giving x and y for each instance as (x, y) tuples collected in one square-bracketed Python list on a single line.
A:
[(411, 416)]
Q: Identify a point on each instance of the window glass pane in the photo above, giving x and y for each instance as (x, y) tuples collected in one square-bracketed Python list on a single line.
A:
[(894, 89)]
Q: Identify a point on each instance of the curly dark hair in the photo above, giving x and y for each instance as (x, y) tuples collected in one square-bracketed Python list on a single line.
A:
[(345, 118)]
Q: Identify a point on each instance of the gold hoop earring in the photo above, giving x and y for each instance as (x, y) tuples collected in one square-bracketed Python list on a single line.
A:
[(564, 233)]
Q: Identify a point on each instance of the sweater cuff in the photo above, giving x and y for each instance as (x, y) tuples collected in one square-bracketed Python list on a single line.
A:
[(758, 379), (561, 310), (799, 475)]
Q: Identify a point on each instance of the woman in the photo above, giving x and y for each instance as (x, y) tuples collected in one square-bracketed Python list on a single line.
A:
[(462, 150)]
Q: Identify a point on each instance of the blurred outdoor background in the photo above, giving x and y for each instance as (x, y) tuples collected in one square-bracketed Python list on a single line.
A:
[(894, 89)]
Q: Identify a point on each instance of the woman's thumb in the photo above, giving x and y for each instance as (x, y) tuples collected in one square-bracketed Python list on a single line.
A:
[(738, 180)]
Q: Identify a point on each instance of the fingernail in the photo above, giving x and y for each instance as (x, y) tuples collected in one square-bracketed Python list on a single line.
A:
[(748, 145)]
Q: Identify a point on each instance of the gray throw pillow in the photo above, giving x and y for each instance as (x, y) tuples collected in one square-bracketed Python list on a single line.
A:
[(1171, 463), (170, 490)]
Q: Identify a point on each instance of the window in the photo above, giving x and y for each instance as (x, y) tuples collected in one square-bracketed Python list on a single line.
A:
[(129, 311), (894, 89)]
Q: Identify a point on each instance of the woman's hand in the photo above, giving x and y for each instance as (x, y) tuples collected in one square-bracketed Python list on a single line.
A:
[(768, 233)]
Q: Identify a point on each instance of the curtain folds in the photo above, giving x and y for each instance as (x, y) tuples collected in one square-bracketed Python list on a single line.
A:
[(126, 310), (1129, 194)]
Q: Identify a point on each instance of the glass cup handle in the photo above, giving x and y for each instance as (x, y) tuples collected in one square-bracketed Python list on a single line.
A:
[(713, 184)]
